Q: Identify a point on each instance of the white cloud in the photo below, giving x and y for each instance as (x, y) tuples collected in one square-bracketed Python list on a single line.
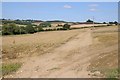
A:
[(67, 6), (93, 9), (93, 5)]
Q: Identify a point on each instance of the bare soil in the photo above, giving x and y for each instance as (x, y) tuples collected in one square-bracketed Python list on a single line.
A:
[(78, 56)]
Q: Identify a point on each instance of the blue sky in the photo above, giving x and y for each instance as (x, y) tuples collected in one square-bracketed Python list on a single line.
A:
[(60, 0), (68, 11)]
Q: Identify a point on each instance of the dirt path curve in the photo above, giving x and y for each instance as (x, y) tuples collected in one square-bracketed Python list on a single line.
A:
[(69, 60)]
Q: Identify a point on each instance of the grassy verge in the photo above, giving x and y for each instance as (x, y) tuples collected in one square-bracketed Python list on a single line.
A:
[(112, 73), (9, 68)]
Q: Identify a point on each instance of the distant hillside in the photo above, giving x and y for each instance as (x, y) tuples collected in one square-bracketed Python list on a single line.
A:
[(57, 21)]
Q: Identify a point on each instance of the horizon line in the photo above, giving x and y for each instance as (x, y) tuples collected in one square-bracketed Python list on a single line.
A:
[(58, 20)]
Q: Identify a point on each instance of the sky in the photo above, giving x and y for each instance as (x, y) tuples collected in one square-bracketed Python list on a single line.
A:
[(67, 11), (60, 0)]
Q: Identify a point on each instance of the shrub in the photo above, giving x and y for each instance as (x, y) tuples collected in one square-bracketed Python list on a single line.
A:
[(22, 30), (5, 30), (45, 24), (66, 27), (10, 29), (38, 29), (9, 68), (58, 28), (29, 29)]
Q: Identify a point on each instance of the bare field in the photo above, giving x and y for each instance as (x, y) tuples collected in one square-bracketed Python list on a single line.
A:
[(86, 25), (105, 61), (34, 44), (80, 53)]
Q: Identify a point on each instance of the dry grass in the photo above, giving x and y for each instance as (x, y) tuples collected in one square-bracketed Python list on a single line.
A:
[(107, 60), (107, 39), (86, 25), (34, 44), (105, 56)]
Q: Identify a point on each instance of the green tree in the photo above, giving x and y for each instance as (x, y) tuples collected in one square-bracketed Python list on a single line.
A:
[(45, 24), (23, 30), (111, 22), (5, 30), (66, 26), (104, 22), (9, 29), (115, 22), (29, 29), (89, 20), (38, 29), (16, 30)]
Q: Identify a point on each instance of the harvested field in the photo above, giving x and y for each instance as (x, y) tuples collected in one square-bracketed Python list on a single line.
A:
[(80, 53), (34, 44), (86, 25), (106, 59)]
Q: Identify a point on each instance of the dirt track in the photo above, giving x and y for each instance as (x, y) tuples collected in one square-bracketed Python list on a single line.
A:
[(68, 60), (71, 59)]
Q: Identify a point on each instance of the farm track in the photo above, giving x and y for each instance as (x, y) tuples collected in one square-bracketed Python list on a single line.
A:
[(68, 60), (71, 59)]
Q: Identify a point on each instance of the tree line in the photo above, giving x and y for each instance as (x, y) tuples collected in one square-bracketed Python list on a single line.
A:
[(13, 29)]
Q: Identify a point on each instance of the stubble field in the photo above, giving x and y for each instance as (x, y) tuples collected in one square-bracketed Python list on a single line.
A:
[(72, 53)]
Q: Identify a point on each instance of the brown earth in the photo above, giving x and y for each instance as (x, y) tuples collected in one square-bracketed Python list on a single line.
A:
[(77, 57)]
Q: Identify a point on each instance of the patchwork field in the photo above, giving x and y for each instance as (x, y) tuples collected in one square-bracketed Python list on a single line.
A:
[(76, 53), (86, 25)]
